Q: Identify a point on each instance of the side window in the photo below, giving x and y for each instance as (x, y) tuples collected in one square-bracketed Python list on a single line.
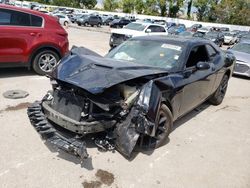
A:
[(20, 19), (152, 28), (36, 21), (155, 28), (211, 51), (161, 29), (5, 17), (197, 54)]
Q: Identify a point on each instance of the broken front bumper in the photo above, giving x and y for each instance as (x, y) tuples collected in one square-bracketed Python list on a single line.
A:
[(73, 125), (68, 143)]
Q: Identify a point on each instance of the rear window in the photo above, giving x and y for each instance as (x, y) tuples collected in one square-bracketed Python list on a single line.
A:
[(36, 21), (19, 18)]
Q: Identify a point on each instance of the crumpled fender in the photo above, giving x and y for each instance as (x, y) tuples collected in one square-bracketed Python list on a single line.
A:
[(140, 120)]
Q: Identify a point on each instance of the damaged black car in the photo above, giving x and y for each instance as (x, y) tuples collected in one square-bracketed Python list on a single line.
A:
[(132, 95)]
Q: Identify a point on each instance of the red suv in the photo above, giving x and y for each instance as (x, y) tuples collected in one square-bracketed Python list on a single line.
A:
[(31, 39)]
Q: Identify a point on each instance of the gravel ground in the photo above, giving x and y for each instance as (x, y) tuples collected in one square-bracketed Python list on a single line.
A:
[(209, 147)]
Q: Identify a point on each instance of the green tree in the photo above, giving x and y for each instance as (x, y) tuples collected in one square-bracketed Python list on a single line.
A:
[(174, 7), (151, 7), (88, 3), (140, 6), (189, 8), (110, 5), (128, 6), (233, 12), (163, 7), (203, 7)]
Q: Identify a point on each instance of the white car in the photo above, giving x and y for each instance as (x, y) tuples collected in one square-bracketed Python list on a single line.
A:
[(135, 29), (230, 38), (204, 30), (63, 19)]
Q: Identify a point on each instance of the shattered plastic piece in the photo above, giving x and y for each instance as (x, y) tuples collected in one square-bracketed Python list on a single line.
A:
[(15, 94), (105, 144), (126, 135), (48, 132)]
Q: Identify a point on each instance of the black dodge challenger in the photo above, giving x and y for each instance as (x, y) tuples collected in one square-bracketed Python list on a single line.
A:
[(132, 96)]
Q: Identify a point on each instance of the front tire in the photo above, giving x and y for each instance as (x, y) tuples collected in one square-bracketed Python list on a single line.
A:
[(219, 94), (66, 23), (45, 61), (163, 128)]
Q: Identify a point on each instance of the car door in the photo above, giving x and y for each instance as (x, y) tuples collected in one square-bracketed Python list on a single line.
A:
[(197, 84), (12, 36), (16, 36)]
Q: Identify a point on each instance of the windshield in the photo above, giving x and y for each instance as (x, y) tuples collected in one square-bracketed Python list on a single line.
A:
[(228, 34), (135, 26), (242, 47), (148, 53)]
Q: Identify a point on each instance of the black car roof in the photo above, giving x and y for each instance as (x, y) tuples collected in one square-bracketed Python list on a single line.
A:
[(173, 39)]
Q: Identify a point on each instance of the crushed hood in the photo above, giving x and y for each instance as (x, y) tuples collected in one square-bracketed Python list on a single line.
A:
[(94, 73)]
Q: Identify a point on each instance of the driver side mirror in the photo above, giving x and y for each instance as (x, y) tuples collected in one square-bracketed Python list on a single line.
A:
[(202, 65), (148, 31)]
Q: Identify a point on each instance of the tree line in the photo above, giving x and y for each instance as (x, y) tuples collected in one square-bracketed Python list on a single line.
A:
[(221, 11)]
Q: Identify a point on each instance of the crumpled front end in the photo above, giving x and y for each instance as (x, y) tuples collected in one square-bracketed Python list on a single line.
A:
[(124, 112)]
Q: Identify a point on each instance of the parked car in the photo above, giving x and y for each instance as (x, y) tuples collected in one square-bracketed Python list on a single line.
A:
[(203, 30), (170, 24), (216, 37), (175, 30), (245, 37), (75, 17), (243, 33), (92, 20), (230, 38), (198, 34), (186, 34), (132, 95), (194, 27), (107, 20), (242, 54), (63, 19), (135, 29), (119, 23), (30, 39), (224, 29)]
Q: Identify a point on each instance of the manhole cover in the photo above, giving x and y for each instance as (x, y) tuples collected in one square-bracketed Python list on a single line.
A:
[(15, 94)]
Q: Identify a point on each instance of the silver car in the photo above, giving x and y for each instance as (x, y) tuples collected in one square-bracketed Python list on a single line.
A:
[(242, 54)]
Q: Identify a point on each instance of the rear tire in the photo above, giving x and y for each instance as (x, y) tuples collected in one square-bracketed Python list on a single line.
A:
[(99, 25), (220, 92), (45, 61)]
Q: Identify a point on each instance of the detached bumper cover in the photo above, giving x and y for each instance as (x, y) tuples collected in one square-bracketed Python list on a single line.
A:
[(67, 143)]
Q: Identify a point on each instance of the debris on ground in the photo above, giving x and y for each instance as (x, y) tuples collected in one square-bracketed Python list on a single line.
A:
[(92, 184), (19, 106), (105, 177), (15, 94)]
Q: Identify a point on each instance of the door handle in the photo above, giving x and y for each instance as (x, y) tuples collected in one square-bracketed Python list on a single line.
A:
[(32, 34), (35, 34)]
